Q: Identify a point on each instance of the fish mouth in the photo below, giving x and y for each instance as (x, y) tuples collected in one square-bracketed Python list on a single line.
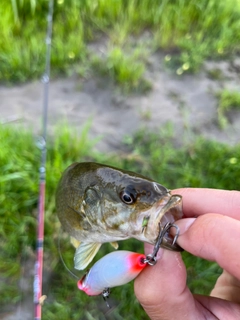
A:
[(167, 210)]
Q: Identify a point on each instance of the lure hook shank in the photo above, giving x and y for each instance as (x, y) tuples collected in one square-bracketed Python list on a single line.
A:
[(151, 259)]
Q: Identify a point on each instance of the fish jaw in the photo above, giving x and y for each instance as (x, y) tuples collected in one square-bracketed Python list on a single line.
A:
[(167, 210)]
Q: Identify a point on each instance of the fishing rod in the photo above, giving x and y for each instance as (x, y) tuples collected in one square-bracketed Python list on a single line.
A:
[(38, 298)]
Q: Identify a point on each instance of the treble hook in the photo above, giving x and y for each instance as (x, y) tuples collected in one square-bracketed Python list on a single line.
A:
[(151, 259), (105, 295)]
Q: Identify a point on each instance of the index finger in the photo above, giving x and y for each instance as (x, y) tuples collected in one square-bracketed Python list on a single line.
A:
[(198, 201), (214, 237)]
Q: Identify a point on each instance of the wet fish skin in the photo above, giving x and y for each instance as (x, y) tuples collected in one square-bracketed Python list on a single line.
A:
[(97, 203)]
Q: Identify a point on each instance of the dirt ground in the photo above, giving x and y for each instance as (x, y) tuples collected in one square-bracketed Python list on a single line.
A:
[(188, 101)]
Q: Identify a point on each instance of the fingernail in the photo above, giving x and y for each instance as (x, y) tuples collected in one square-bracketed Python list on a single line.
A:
[(185, 224)]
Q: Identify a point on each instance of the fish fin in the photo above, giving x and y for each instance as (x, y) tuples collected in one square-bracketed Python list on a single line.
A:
[(74, 242), (114, 244), (85, 253)]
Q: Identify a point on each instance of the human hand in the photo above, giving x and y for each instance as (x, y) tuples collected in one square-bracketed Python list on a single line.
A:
[(211, 230)]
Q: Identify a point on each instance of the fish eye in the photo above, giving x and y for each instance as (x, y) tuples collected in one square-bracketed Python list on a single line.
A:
[(128, 197)]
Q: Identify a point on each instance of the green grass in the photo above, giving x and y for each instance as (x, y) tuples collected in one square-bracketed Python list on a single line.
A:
[(19, 178), (127, 70), (199, 164), (22, 44), (227, 100), (187, 31)]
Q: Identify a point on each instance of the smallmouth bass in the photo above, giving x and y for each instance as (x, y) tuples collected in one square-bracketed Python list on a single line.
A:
[(97, 203)]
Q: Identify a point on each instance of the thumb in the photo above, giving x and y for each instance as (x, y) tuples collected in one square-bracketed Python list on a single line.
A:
[(162, 290)]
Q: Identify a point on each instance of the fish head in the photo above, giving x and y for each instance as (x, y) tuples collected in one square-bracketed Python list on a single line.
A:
[(98, 203), (148, 206)]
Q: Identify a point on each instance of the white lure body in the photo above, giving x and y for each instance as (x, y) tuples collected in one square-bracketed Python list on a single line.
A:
[(114, 269)]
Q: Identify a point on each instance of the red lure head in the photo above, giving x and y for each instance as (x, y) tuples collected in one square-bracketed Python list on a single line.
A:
[(136, 262)]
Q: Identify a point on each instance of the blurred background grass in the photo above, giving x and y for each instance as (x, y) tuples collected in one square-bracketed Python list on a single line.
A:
[(187, 32)]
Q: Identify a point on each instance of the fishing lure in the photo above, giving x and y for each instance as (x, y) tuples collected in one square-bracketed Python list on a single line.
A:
[(120, 267), (114, 269)]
